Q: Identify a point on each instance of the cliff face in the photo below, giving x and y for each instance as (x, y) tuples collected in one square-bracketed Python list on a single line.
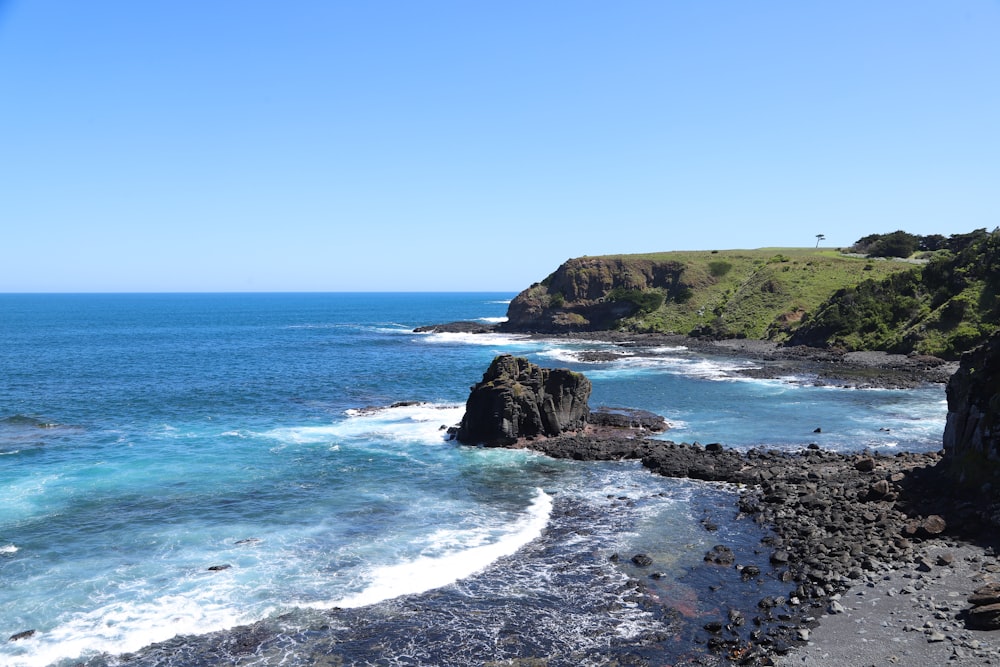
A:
[(517, 399), (972, 432), (593, 293), (726, 294)]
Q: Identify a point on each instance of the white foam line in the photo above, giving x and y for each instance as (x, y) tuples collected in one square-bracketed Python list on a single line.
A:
[(427, 573), (493, 339)]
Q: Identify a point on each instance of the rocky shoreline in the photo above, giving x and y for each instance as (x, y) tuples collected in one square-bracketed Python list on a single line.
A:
[(869, 369), (845, 526)]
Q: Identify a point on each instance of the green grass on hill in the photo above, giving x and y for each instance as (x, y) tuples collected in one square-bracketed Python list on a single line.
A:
[(758, 293)]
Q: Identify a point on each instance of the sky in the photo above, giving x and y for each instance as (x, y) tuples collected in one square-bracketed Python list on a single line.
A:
[(475, 145)]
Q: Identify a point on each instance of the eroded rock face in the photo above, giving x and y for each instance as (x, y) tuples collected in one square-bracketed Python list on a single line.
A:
[(517, 399), (972, 432)]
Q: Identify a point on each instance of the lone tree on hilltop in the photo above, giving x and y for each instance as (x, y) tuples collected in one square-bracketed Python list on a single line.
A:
[(820, 237)]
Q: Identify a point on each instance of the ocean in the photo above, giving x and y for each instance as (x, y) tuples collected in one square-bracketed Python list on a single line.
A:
[(264, 479)]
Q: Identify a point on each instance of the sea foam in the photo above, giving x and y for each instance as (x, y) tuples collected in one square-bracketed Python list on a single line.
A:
[(428, 572)]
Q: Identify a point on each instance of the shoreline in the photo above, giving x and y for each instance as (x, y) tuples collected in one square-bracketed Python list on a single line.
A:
[(880, 370), (879, 553), (863, 369)]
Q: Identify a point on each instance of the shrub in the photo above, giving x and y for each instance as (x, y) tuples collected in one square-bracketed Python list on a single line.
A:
[(645, 301), (719, 267)]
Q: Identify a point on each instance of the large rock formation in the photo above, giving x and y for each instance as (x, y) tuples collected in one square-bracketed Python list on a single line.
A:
[(972, 432), (517, 399), (593, 293)]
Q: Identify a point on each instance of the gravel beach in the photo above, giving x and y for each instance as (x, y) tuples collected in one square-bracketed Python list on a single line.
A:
[(911, 616)]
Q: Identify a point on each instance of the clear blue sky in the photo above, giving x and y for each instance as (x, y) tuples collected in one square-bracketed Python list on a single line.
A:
[(179, 145)]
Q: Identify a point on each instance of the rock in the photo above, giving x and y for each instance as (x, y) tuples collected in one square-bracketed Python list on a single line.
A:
[(866, 464), (457, 327), (879, 490), (930, 526), (934, 524), (21, 635), (835, 608), (517, 399), (627, 418), (720, 555), (972, 430), (642, 560), (984, 617), (219, 568), (984, 595), (780, 557)]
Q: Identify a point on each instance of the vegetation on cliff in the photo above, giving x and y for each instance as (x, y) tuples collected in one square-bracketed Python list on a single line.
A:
[(940, 299), (728, 293), (947, 307)]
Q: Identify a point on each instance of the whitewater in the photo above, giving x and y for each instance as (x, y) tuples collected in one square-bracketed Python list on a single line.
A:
[(179, 472)]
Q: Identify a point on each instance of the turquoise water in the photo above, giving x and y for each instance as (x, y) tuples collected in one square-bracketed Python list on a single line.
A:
[(147, 438)]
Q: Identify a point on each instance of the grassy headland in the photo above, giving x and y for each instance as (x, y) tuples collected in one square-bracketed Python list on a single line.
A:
[(940, 302)]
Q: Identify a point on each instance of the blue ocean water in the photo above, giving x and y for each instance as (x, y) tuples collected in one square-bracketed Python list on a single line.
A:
[(293, 443)]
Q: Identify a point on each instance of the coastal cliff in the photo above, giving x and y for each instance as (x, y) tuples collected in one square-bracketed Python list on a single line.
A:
[(972, 432), (940, 301), (758, 294)]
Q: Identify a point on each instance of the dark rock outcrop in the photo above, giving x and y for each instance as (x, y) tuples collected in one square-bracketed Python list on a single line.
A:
[(517, 399), (627, 418), (457, 327), (972, 432)]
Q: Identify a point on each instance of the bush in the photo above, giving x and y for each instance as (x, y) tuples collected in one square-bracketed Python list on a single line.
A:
[(645, 301), (719, 267), (897, 244)]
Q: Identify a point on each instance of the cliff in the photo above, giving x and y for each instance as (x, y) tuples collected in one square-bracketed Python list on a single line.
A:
[(939, 302), (726, 294), (972, 432)]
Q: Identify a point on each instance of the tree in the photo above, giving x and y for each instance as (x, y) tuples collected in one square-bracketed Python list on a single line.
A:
[(820, 237)]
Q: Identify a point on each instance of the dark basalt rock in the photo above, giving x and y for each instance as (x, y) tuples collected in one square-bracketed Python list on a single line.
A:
[(972, 432), (517, 399), (22, 635), (457, 327), (627, 418)]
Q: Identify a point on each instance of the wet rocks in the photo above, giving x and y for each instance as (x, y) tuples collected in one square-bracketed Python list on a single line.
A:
[(627, 418), (457, 327), (27, 634), (720, 554), (642, 560)]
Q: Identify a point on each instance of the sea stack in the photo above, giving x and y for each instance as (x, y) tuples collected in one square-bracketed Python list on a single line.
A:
[(517, 400)]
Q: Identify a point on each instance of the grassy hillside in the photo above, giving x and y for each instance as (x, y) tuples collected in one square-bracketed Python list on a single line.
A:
[(759, 293), (949, 306)]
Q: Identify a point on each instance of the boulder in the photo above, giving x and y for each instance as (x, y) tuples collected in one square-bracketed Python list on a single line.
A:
[(517, 399)]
